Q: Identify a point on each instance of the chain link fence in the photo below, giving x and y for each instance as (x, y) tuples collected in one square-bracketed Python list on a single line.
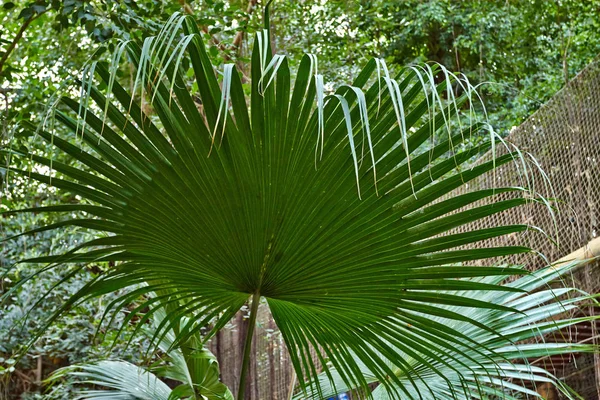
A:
[(560, 144)]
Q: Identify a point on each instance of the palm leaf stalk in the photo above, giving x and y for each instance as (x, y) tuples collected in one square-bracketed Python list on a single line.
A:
[(334, 208)]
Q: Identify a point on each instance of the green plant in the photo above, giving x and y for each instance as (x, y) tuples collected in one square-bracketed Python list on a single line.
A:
[(340, 214), (494, 353), (193, 366), (484, 367), (70, 339)]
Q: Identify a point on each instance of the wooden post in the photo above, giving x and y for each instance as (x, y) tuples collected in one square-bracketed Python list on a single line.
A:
[(587, 252), (39, 371)]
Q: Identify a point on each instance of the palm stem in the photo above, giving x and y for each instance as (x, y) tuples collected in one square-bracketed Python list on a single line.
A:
[(248, 344)]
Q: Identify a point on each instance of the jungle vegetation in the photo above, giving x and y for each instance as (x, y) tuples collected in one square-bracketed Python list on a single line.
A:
[(293, 164)]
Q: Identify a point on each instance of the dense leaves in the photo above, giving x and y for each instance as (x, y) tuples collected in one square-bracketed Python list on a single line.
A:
[(473, 37), (335, 213), (524, 50), (487, 360), (72, 338), (194, 368)]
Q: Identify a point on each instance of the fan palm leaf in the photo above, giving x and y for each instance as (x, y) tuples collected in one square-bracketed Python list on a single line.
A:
[(337, 213)]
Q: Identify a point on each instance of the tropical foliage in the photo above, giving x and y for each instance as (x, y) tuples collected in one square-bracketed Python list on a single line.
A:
[(71, 338), (485, 366), (42, 60), (521, 52), (192, 365), (334, 206), (495, 353)]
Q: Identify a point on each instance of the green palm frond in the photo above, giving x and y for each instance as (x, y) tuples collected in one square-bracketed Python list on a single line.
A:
[(122, 380), (191, 364), (493, 357), (331, 206)]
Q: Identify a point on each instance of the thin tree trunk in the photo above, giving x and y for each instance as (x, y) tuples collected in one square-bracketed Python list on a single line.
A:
[(17, 38), (242, 327), (271, 352), (237, 40), (252, 383), (248, 354), (219, 345), (39, 370)]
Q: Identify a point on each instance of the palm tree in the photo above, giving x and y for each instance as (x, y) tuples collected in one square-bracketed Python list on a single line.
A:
[(340, 214)]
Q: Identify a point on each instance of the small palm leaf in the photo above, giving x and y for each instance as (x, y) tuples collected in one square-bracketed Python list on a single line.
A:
[(123, 380), (221, 202), (196, 367), (190, 363)]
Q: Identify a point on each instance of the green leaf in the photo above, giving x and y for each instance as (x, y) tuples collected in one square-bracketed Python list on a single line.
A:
[(26, 13), (38, 8), (122, 379)]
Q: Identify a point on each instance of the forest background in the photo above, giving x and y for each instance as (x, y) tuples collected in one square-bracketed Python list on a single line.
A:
[(521, 52)]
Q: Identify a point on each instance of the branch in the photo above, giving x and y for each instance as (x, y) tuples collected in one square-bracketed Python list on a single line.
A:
[(188, 10), (248, 345), (237, 40), (18, 37)]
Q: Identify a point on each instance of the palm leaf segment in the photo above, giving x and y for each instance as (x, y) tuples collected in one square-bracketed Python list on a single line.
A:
[(237, 200), (499, 367)]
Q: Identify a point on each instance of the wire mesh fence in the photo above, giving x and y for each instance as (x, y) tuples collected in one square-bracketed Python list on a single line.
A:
[(563, 139), (560, 144)]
